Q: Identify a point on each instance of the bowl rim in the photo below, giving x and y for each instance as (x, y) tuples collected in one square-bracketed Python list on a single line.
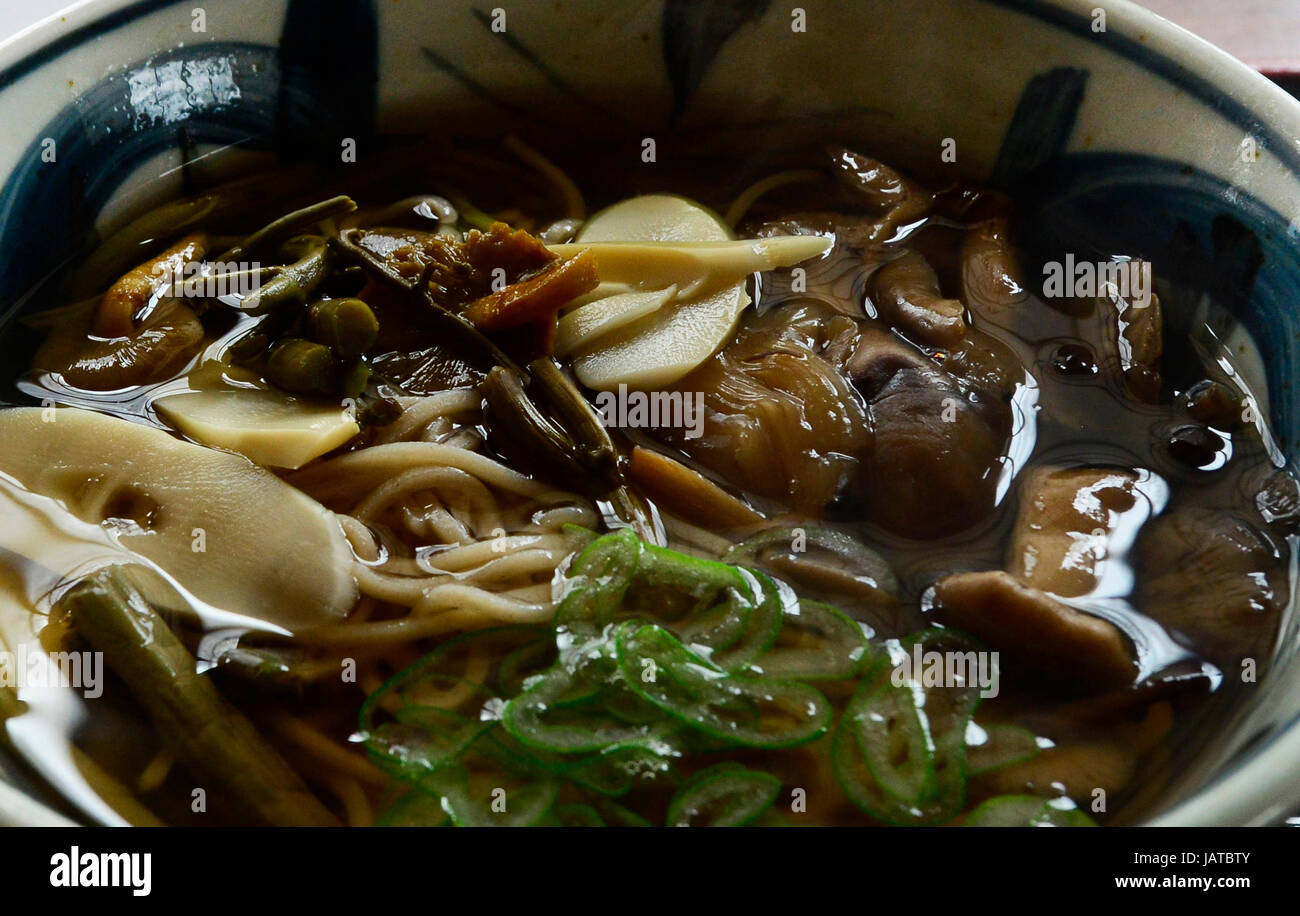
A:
[(1249, 788)]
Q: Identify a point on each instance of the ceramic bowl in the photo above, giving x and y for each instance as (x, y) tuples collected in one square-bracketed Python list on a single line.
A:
[(1109, 121)]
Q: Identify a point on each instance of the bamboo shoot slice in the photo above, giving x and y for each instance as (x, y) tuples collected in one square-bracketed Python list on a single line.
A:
[(583, 325), (268, 427), (232, 534), (656, 241)]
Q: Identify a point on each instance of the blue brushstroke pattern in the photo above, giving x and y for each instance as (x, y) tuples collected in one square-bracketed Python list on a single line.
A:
[(693, 32), (329, 76), (538, 63), (300, 99), (1243, 255), (1040, 128), (220, 93)]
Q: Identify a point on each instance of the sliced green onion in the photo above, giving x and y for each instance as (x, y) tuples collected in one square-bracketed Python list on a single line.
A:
[(661, 566), (1028, 811), (415, 809), (473, 801), (580, 536), (445, 666), (598, 580), (578, 816), (656, 659), (762, 625), (816, 641), (546, 717), (617, 815), (918, 774), (616, 772), (860, 787), (866, 567), (893, 735), (725, 796), (422, 739), (755, 712)]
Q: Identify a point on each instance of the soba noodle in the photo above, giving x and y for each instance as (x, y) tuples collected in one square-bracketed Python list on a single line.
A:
[(447, 539)]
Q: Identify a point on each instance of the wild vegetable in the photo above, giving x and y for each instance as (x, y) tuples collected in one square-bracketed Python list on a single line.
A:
[(216, 740)]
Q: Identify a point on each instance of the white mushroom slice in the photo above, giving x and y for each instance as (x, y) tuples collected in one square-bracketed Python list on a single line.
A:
[(602, 291), (658, 350), (655, 218), (688, 247), (230, 533), (584, 324), (269, 427), (695, 267)]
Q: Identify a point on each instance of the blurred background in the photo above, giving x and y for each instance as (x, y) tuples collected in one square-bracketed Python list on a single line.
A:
[(1263, 33)]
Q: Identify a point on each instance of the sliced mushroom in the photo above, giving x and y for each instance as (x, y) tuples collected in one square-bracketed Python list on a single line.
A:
[(1075, 770), (991, 275), (885, 189), (1137, 329), (877, 356), (853, 230), (780, 420), (232, 534), (1179, 688), (1216, 579), (986, 366), (906, 291), (1062, 532), (687, 493), (934, 461), (1037, 631)]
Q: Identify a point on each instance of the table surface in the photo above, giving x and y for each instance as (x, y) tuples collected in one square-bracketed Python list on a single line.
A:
[(1264, 33)]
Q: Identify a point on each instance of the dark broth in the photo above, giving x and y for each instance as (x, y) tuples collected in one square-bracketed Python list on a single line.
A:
[(1069, 408)]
